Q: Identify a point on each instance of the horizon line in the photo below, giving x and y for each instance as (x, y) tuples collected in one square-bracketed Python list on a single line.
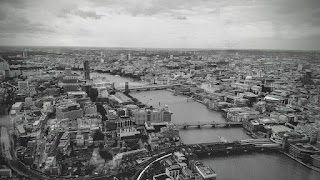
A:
[(168, 48)]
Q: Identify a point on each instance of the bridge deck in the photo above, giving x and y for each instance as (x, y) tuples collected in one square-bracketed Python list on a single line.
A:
[(207, 124), (145, 87)]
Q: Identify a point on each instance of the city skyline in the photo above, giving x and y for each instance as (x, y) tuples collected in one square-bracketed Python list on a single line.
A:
[(246, 24)]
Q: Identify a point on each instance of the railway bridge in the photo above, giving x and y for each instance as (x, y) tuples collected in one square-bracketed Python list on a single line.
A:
[(216, 148)]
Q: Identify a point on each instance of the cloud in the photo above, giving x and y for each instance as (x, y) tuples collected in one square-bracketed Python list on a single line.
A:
[(22, 25), (162, 23), (14, 3), (181, 18), (3, 14), (87, 14)]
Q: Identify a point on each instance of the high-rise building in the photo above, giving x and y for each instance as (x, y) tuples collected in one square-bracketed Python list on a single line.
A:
[(308, 73), (86, 70), (300, 67), (128, 57), (24, 54), (126, 87), (4, 68), (70, 83)]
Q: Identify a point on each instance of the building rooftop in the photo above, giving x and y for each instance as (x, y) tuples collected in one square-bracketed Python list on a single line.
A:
[(173, 167), (162, 177), (280, 128), (76, 93), (21, 129), (121, 98), (206, 171)]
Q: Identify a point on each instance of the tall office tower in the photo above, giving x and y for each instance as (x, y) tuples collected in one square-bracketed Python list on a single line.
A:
[(308, 73), (4, 68), (24, 54), (126, 88), (86, 70), (300, 67), (129, 57), (307, 78)]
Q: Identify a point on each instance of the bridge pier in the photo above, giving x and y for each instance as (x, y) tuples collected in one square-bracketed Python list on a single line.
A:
[(199, 126), (213, 125)]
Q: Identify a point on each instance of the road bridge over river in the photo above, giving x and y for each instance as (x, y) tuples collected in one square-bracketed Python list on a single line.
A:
[(145, 88), (208, 124)]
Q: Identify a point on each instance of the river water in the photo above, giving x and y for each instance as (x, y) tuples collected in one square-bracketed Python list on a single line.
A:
[(251, 166)]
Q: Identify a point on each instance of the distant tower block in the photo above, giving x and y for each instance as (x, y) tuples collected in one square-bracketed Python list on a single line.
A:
[(24, 54), (126, 88), (86, 70), (113, 87), (300, 67), (308, 73)]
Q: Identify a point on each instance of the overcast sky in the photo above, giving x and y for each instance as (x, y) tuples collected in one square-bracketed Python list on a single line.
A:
[(249, 24)]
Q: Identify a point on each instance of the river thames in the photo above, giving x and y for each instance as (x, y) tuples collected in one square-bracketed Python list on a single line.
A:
[(248, 166)]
